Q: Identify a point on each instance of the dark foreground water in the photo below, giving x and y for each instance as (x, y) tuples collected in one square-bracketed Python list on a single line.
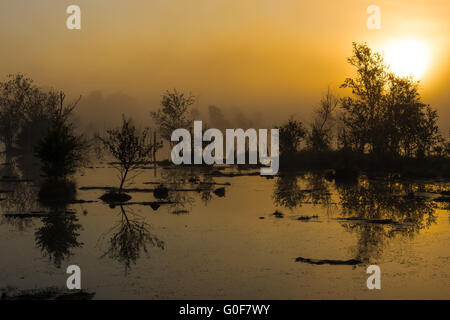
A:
[(231, 245)]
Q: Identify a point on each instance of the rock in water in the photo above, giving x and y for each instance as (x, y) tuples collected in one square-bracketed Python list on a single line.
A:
[(155, 206), (351, 262), (278, 214), (161, 192), (220, 192), (115, 197)]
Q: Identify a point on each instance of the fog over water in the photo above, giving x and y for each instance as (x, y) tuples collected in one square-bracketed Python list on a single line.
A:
[(259, 57)]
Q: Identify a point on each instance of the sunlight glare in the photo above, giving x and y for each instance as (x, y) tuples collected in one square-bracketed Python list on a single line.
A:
[(408, 58)]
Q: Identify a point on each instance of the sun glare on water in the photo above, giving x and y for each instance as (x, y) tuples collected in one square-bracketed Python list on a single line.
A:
[(408, 58)]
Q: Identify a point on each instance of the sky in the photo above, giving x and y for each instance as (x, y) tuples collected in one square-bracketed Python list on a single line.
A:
[(265, 59)]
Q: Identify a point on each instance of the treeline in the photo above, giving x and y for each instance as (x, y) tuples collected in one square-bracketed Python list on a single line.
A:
[(38, 122), (382, 125), (27, 112)]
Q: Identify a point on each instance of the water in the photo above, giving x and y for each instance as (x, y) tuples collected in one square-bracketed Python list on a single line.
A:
[(205, 246)]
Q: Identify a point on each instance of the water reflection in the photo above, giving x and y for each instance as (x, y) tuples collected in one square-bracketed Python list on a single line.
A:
[(375, 210), (206, 188), (375, 213), (59, 234), (17, 195), (129, 238), (288, 193), (180, 184), (28, 165), (379, 210), (318, 189)]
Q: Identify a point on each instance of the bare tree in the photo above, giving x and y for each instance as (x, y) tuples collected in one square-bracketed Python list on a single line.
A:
[(129, 146), (320, 136)]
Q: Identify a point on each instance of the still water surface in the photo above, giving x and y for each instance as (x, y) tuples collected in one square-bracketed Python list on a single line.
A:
[(206, 245)]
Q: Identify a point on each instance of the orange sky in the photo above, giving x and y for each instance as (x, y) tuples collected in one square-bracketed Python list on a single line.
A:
[(275, 57)]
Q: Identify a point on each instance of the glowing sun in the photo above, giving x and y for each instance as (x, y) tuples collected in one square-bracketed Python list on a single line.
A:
[(407, 58)]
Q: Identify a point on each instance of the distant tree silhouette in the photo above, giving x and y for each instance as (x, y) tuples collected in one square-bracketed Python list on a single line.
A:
[(27, 112), (17, 93), (385, 115), (174, 113), (291, 134), (217, 119), (320, 136), (39, 116)]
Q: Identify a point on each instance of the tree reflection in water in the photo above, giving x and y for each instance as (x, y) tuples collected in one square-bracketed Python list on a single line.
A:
[(288, 193), (129, 238), (19, 196), (59, 234), (379, 210), (179, 179)]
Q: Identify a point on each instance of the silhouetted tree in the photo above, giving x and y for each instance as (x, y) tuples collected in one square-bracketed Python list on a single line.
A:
[(362, 112), (217, 119), (291, 135), (61, 151), (174, 113), (320, 137), (385, 114), (129, 146), (29, 115), (16, 94), (38, 117)]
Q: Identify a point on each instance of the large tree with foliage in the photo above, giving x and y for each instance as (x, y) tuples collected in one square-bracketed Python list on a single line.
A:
[(27, 112), (61, 151), (385, 114)]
